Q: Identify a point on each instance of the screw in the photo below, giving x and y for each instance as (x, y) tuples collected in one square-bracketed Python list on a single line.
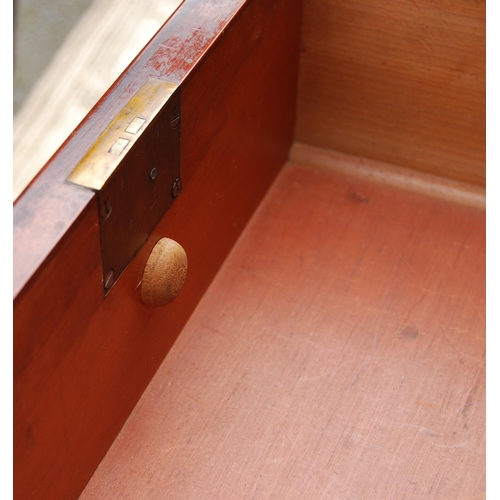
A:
[(108, 282), (177, 187), (174, 122), (106, 208), (153, 174)]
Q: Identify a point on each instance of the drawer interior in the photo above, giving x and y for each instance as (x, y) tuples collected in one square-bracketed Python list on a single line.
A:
[(333, 215), (338, 353)]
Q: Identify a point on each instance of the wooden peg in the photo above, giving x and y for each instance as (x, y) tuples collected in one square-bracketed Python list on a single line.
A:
[(164, 274)]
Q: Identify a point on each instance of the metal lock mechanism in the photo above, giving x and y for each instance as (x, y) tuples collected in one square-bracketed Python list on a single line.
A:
[(134, 169)]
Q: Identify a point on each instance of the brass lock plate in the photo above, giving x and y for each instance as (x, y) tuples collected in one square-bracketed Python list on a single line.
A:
[(134, 168)]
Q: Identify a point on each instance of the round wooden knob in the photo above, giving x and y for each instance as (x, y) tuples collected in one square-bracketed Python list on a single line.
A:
[(164, 274)]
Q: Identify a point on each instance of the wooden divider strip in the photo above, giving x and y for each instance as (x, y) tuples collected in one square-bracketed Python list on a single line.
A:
[(436, 186)]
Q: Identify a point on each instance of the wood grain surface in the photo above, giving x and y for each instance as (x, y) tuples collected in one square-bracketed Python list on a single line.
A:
[(339, 353), (402, 81), (81, 362)]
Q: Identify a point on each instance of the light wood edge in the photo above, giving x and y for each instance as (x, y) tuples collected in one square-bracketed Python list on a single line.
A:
[(98, 49), (461, 193)]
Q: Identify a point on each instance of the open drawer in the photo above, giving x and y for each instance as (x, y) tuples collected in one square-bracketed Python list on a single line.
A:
[(329, 340)]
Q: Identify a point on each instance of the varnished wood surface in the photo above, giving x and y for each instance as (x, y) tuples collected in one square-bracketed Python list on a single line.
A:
[(339, 353), (401, 81), (81, 362)]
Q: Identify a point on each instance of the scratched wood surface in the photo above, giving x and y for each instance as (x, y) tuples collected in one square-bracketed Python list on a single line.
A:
[(339, 353), (401, 81)]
